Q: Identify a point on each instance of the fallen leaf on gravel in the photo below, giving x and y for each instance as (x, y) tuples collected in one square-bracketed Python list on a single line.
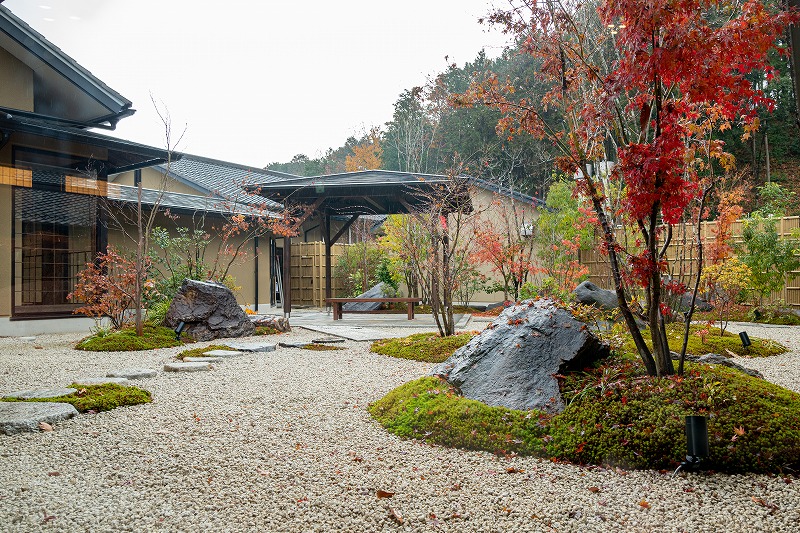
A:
[(38, 347), (688, 489), (762, 502), (644, 504), (457, 486), (514, 470), (358, 459), (44, 426), (787, 480), (395, 515), (384, 494), (81, 392), (53, 474), (48, 517), (594, 489)]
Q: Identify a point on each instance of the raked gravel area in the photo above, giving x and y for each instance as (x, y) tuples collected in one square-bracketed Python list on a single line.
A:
[(282, 441)]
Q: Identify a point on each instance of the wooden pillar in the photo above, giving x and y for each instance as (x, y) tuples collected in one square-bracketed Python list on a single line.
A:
[(326, 236), (287, 276)]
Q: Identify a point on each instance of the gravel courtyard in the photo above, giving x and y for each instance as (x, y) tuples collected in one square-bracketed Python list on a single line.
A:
[(282, 441)]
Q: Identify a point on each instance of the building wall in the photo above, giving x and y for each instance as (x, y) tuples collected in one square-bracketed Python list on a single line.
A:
[(243, 268), (16, 83)]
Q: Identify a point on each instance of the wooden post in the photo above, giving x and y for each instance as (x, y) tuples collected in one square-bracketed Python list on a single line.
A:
[(287, 277), (326, 236)]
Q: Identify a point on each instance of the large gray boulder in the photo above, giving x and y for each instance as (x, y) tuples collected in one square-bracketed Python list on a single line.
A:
[(20, 417), (381, 290), (588, 293), (513, 361), (209, 310)]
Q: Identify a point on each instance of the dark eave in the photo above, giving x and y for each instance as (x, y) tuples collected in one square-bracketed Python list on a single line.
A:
[(123, 155)]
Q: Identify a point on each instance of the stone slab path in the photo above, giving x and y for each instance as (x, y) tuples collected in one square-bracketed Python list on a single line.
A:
[(40, 393), (252, 346), (132, 373), (22, 417), (187, 367)]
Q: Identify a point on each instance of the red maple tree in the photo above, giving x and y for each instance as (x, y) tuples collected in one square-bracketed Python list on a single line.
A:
[(654, 79)]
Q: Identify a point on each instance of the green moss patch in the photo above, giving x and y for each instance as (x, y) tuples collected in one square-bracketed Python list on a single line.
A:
[(429, 409), (616, 416), (98, 397), (427, 347), (709, 342), (318, 347), (126, 340), (265, 330), (200, 352)]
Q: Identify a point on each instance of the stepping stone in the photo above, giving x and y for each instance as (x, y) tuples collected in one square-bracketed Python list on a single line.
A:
[(202, 359), (220, 353), (39, 393), (132, 373), (252, 346), (101, 381), (327, 340), (293, 344), (187, 367), (27, 339), (19, 417)]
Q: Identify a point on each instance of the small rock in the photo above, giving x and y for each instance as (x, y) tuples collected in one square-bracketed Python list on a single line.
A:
[(101, 381), (19, 417), (277, 323), (39, 393), (252, 346), (202, 359), (293, 344), (187, 367), (221, 353), (132, 373), (27, 339)]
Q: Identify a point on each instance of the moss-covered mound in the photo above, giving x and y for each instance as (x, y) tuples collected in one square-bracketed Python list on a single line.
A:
[(703, 340), (126, 340), (427, 347), (98, 397), (616, 416), (200, 352)]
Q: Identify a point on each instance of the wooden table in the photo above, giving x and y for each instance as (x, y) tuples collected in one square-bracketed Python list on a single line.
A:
[(339, 302)]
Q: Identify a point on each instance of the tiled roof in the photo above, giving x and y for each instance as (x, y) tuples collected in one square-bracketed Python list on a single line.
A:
[(223, 180)]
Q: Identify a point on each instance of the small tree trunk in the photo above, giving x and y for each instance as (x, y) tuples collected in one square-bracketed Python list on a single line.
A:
[(137, 300)]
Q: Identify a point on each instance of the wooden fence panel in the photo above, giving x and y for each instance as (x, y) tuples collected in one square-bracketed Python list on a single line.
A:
[(683, 247), (308, 272)]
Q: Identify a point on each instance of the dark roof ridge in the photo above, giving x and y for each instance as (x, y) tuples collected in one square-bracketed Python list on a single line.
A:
[(63, 63), (212, 161)]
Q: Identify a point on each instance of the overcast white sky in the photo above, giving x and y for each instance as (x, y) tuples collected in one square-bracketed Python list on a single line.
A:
[(259, 81)]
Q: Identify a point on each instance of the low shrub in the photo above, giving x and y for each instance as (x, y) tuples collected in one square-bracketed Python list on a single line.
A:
[(126, 340), (615, 415), (426, 347), (98, 398)]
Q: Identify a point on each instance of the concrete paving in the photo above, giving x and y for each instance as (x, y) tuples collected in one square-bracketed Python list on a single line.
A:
[(366, 326)]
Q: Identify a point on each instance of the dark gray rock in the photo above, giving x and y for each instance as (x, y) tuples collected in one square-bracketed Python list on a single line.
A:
[(588, 293), (512, 362), (19, 417), (716, 359), (700, 303), (209, 310), (381, 290)]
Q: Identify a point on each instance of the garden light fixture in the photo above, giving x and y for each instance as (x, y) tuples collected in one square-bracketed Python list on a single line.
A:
[(179, 330), (745, 339), (696, 443)]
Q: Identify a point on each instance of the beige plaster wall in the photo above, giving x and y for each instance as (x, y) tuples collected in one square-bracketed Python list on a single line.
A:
[(16, 83), (243, 268)]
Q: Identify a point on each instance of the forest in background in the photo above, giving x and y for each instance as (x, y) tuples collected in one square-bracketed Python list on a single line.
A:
[(428, 135)]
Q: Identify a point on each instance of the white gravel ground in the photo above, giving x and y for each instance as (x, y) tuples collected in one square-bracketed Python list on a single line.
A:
[(282, 442)]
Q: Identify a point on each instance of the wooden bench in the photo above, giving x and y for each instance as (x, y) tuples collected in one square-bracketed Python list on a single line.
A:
[(339, 302)]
